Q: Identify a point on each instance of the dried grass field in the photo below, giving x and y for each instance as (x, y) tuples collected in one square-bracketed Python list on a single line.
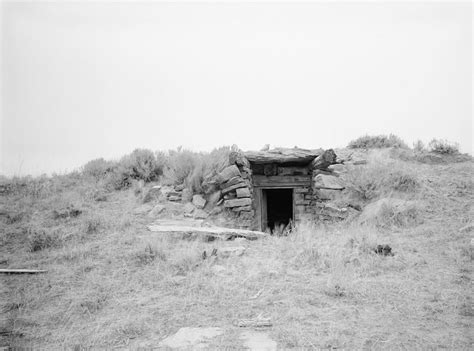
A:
[(111, 283)]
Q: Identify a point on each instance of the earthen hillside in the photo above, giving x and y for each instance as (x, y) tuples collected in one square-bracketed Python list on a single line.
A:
[(381, 256)]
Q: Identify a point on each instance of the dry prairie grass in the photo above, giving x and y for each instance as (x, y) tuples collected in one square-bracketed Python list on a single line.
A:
[(111, 283)]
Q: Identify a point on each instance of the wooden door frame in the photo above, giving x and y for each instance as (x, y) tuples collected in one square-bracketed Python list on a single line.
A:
[(260, 201)]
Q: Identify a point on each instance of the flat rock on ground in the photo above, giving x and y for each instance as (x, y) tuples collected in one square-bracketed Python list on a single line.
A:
[(231, 251), (156, 210), (200, 214), (199, 201), (143, 209), (188, 208), (257, 341), (191, 338)]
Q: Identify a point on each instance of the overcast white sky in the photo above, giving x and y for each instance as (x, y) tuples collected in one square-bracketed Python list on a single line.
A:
[(87, 80)]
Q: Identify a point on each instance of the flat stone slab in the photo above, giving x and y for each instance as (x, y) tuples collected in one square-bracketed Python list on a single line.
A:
[(199, 201), (231, 251), (322, 181), (238, 202), (143, 209), (194, 227), (258, 341), (191, 338), (228, 173), (156, 210)]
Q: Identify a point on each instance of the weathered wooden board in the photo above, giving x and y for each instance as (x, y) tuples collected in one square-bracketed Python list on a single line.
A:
[(254, 323), (282, 181), (22, 271), (270, 169), (289, 171), (283, 155), (217, 232)]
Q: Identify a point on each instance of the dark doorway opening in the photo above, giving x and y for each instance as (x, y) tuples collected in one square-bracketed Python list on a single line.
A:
[(279, 207)]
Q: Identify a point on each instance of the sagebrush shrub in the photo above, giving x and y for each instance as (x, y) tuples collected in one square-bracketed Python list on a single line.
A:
[(180, 164), (393, 215), (372, 181), (149, 254), (419, 146), (98, 168), (377, 141), (117, 180), (39, 239), (141, 164), (93, 225), (195, 168), (38, 187), (443, 147), (402, 181)]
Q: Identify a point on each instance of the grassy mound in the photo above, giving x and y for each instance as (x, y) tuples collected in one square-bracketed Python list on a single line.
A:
[(113, 284)]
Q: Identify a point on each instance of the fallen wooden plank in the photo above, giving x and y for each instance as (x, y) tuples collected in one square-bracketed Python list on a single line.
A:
[(22, 271), (180, 222), (217, 232), (254, 323)]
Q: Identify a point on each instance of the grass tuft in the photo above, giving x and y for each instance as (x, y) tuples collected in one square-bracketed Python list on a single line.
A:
[(40, 239), (150, 254), (381, 178)]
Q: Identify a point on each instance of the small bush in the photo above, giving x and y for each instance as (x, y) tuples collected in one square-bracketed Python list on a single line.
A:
[(99, 195), (141, 164), (28, 186), (374, 180), (443, 147), (117, 180), (68, 212), (377, 142), (98, 168), (181, 164), (94, 303), (402, 181), (150, 254), (93, 225), (39, 239), (14, 218), (419, 146), (195, 169), (391, 213), (185, 262)]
